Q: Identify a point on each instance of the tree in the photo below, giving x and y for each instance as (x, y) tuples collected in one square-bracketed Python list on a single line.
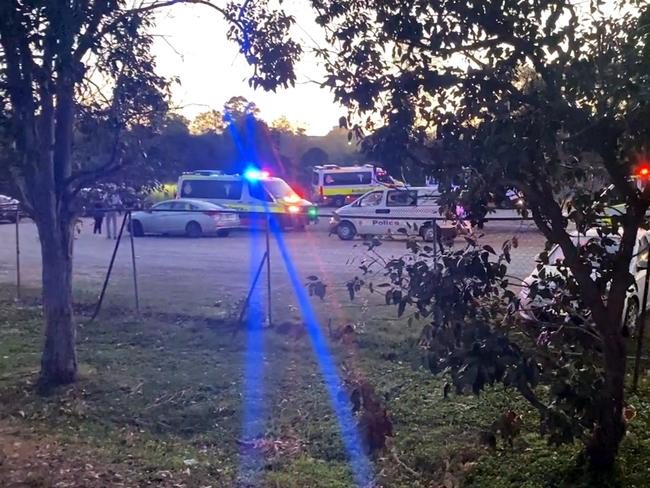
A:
[(208, 122), (284, 125), (89, 62), (237, 108), (313, 157), (536, 95)]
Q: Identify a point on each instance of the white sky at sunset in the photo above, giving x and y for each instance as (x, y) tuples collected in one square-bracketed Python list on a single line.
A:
[(191, 44)]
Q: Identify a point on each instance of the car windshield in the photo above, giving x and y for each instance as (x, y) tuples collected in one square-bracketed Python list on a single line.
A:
[(278, 188), (557, 254)]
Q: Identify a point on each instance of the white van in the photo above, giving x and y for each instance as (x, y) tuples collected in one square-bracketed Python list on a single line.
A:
[(255, 191), (395, 211), (337, 185)]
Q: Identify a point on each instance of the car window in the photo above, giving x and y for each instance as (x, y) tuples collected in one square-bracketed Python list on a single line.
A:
[(557, 254), (348, 178), (427, 199), (163, 206), (181, 206), (642, 254), (278, 188), (401, 198), (256, 190), (223, 190), (371, 199), (314, 178)]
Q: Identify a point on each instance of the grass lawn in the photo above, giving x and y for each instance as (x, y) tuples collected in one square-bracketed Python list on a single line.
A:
[(160, 400)]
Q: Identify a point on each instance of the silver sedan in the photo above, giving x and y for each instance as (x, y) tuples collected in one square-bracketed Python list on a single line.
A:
[(185, 216)]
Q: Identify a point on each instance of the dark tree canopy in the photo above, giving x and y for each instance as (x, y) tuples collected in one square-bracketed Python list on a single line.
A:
[(550, 98), (314, 156)]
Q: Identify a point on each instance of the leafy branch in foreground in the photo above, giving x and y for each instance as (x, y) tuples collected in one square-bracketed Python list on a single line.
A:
[(474, 331)]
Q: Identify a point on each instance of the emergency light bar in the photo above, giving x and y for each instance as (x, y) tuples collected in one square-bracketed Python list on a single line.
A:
[(253, 174)]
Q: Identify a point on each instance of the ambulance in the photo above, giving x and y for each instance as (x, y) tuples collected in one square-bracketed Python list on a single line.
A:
[(338, 185), (396, 211), (255, 191)]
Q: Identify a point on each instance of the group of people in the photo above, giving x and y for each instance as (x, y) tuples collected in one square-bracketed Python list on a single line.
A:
[(109, 207)]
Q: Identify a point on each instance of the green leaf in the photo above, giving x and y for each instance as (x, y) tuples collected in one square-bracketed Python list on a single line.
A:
[(489, 249)]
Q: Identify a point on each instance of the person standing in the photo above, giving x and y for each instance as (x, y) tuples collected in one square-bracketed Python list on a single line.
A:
[(113, 207), (98, 215)]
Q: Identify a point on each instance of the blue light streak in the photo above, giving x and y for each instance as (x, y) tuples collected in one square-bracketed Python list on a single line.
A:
[(359, 462)]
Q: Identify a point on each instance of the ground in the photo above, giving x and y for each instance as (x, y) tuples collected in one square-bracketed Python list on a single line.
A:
[(160, 402), (171, 397), (181, 275)]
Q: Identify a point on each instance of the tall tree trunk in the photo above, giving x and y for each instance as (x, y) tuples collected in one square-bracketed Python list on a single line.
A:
[(59, 359), (602, 448)]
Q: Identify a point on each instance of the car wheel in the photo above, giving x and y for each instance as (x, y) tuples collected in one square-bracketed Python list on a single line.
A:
[(138, 231), (631, 315), (299, 225), (223, 233), (338, 201), (193, 229), (346, 231)]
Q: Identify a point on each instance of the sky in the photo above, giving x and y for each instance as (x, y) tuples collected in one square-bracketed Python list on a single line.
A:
[(190, 42)]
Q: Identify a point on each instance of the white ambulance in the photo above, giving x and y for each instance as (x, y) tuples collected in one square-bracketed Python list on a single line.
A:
[(337, 185), (253, 192)]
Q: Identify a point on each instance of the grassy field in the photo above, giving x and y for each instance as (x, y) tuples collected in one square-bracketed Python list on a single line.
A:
[(160, 401)]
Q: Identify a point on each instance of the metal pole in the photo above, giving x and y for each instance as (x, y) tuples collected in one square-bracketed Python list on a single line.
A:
[(135, 272), (110, 269), (250, 291), (268, 272), (18, 252), (640, 332), (435, 238)]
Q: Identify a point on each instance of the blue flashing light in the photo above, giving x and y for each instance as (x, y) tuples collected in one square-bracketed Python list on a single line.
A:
[(359, 463), (253, 418), (254, 174)]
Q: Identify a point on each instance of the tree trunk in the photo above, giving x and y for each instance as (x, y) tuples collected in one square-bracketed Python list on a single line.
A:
[(59, 359), (602, 448)]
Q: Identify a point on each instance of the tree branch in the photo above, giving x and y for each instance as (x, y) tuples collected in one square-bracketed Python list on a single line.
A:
[(91, 34)]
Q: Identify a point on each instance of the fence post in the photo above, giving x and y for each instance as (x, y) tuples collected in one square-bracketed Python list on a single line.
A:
[(18, 296), (640, 332), (135, 272), (268, 270), (110, 270), (435, 238)]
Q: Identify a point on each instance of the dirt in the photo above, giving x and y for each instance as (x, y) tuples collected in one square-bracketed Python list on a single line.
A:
[(28, 460), (205, 276)]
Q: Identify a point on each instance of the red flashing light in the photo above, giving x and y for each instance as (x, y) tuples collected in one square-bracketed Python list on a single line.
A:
[(643, 170)]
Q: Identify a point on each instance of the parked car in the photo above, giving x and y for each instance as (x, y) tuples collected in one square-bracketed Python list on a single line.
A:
[(9, 209), (185, 216), (531, 308)]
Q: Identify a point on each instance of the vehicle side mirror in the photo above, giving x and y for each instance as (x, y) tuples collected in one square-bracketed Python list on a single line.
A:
[(642, 265)]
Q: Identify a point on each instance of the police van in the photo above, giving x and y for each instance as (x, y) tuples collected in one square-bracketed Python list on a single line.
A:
[(337, 185), (254, 191), (395, 211)]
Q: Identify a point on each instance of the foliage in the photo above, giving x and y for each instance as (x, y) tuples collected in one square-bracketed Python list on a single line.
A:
[(208, 122), (548, 98), (313, 157), (84, 69)]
